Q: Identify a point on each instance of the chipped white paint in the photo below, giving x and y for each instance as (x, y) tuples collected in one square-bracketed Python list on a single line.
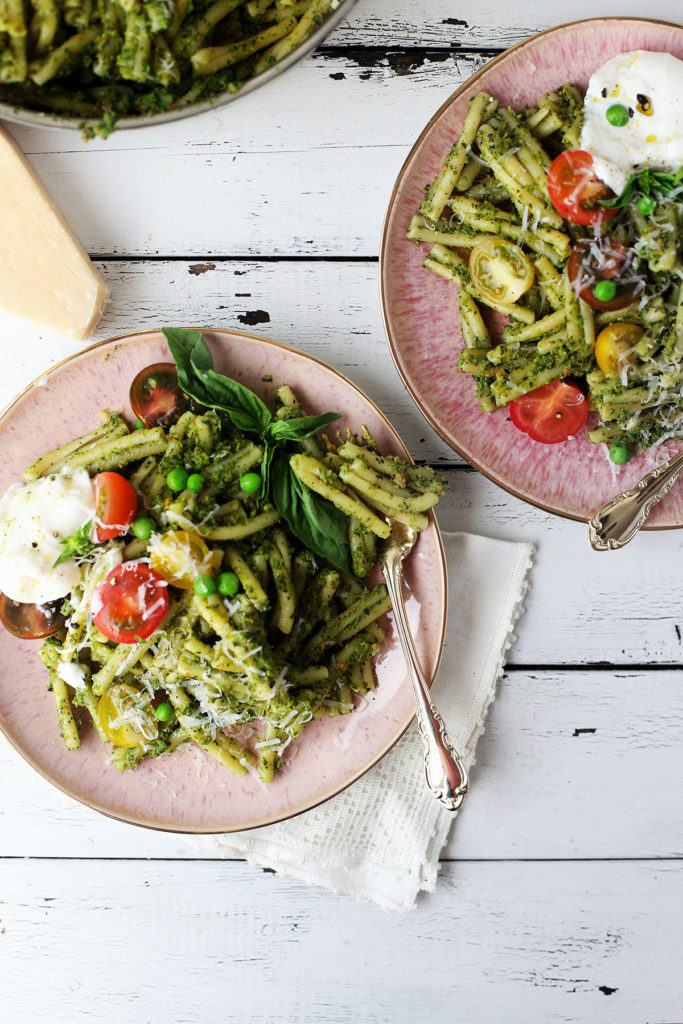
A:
[(561, 900), (280, 174), (553, 780), (445, 24), (184, 942)]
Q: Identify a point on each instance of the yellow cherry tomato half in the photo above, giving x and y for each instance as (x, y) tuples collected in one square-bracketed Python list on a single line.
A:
[(613, 344), (127, 717), (500, 270), (180, 557)]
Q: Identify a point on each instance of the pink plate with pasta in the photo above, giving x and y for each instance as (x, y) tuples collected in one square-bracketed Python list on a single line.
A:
[(421, 310), (186, 790)]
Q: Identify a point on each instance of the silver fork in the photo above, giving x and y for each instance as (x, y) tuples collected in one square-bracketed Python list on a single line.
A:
[(617, 521), (446, 774)]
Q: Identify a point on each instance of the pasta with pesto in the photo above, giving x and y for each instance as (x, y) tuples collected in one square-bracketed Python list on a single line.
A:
[(194, 612), (592, 298), (101, 60)]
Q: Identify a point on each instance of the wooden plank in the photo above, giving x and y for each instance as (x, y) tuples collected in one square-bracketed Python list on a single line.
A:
[(584, 607), (279, 175), (208, 941), (572, 765), (410, 23), (326, 308)]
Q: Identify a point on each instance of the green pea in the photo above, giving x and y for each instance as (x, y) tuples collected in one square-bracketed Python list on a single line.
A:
[(228, 584), (250, 483), (617, 115), (164, 712), (139, 425), (605, 291), (620, 453), (204, 586), (143, 528), (195, 482), (177, 479), (646, 206)]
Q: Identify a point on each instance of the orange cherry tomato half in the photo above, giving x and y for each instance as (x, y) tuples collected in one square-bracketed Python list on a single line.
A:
[(30, 621), (552, 413), (127, 716), (130, 602), (180, 557), (500, 270), (614, 346), (155, 395), (604, 259), (576, 191), (115, 505)]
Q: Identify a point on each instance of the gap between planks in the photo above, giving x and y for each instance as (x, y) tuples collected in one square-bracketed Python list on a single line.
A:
[(193, 258), (669, 858)]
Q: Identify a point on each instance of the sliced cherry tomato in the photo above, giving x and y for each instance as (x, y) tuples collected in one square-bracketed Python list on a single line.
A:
[(576, 191), (604, 259), (180, 557), (130, 602), (115, 505), (551, 413), (613, 345), (500, 270), (30, 621), (127, 716), (155, 395)]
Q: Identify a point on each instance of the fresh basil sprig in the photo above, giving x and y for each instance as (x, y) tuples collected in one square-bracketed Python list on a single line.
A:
[(644, 183), (78, 543), (300, 427), (314, 520), (198, 379)]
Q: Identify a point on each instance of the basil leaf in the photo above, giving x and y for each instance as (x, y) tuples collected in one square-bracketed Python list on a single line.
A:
[(198, 378), (642, 183), (268, 453), (299, 427), (311, 518), (185, 345), (78, 543), (245, 409), (625, 197)]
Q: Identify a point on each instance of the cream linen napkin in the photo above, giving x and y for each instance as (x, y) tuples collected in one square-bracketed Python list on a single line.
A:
[(380, 839)]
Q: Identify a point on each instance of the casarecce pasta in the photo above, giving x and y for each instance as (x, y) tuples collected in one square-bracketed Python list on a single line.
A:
[(107, 59), (490, 207), (252, 633)]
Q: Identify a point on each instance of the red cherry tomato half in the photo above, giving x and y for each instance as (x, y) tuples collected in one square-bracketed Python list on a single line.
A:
[(115, 505), (155, 395), (551, 413), (604, 259), (30, 621), (130, 602), (575, 190)]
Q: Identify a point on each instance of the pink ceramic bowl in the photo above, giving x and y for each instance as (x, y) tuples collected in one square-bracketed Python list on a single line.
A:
[(421, 311), (187, 791)]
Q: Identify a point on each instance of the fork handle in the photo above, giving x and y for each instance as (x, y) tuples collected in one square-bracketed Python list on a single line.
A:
[(446, 774), (617, 521)]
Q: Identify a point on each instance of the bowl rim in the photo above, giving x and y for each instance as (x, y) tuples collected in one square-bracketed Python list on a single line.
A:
[(441, 561), (17, 114), (384, 242)]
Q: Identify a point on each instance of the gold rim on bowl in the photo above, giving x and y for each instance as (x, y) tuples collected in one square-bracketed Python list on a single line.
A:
[(441, 430), (38, 118), (322, 798)]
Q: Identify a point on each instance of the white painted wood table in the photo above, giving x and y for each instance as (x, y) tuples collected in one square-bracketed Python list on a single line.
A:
[(560, 894)]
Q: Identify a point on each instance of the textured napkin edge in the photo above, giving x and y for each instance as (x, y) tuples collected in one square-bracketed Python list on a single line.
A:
[(446, 821), (306, 869), (526, 558)]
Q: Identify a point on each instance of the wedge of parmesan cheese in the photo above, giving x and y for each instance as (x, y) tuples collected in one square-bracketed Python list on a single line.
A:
[(45, 273)]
